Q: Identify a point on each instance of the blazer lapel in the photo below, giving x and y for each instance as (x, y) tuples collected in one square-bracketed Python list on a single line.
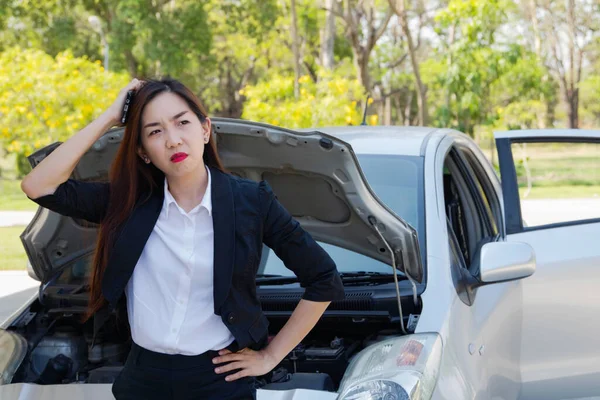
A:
[(223, 212), (129, 245)]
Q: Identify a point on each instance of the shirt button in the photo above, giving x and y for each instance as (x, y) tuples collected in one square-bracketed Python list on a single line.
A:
[(231, 318), (173, 330)]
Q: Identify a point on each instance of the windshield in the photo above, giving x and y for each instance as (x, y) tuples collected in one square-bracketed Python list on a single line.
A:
[(398, 182)]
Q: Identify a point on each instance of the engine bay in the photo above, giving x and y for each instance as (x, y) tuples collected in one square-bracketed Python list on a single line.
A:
[(60, 345)]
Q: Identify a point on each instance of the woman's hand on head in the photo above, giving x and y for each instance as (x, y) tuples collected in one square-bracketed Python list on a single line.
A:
[(248, 362), (116, 108)]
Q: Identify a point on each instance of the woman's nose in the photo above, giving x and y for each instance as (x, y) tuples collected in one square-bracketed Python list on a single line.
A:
[(172, 138)]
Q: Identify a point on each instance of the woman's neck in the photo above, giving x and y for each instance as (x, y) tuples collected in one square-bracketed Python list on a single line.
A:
[(188, 190)]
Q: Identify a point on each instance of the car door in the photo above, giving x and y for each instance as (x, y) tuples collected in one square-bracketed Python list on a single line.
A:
[(551, 189), (496, 351)]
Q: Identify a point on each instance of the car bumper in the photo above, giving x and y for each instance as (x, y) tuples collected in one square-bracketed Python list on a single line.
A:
[(28, 391)]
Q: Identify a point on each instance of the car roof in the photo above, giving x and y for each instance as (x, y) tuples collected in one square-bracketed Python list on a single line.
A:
[(400, 140)]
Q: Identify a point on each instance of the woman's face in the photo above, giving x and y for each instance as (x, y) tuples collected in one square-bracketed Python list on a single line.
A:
[(168, 127)]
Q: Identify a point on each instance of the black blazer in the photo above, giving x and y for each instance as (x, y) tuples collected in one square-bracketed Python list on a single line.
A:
[(246, 214)]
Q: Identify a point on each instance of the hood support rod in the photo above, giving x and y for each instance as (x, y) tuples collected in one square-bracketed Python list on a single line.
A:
[(373, 222)]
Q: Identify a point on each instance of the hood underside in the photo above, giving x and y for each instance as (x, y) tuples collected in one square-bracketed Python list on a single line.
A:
[(318, 179), (315, 176)]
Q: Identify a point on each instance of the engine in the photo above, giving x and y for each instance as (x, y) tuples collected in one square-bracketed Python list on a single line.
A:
[(60, 348)]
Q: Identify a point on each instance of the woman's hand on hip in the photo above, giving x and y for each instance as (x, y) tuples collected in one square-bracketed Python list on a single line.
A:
[(249, 363)]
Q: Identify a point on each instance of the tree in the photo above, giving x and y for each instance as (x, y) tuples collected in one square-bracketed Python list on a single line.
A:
[(150, 37), (590, 93), (294, 31), (523, 106), (467, 32), (565, 30), (399, 7), (244, 46), (50, 25), (32, 113), (332, 100), (146, 37), (328, 36), (364, 24)]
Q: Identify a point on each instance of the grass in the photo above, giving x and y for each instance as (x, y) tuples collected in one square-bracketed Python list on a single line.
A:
[(12, 197), (559, 170), (561, 192), (12, 253)]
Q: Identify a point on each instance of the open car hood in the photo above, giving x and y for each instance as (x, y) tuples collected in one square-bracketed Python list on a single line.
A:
[(315, 176), (54, 242)]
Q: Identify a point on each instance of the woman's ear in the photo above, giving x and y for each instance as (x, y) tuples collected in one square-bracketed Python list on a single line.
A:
[(143, 155), (207, 125)]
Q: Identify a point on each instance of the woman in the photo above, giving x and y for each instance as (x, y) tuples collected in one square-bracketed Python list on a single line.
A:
[(181, 239)]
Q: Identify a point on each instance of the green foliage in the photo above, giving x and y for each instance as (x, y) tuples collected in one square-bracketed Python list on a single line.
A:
[(243, 37), (522, 94), (480, 72), (155, 38), (44, 99), (486, 81), (332, 100), (590, 94)]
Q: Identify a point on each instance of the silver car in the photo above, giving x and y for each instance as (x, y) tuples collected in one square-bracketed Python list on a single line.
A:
[(449, 294)]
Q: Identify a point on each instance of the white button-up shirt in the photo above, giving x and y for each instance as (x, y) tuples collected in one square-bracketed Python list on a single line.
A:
[(170, 294)]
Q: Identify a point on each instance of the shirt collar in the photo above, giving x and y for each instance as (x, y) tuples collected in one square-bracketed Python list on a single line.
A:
[(206, 199)]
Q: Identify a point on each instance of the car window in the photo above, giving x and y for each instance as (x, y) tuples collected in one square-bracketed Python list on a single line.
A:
[(489, 198), (345, 260), (558, 182), (398, 182), (467, 208)]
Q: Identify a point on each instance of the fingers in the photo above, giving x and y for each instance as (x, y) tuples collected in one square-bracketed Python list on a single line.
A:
[(134, 84), (228, 358), (241, 374), (224, 351), (231, 367)]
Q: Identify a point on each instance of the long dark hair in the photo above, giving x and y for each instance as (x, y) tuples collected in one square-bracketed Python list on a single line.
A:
[(131, 179)]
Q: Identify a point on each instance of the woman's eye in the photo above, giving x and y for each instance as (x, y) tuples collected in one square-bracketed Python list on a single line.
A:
[(184, 122), (155, 131)]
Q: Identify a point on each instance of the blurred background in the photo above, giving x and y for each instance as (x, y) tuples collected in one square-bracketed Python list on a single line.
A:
[(473, 65)]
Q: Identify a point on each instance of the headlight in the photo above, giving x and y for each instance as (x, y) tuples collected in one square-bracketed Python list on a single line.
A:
[(13, 348), (403, 368)]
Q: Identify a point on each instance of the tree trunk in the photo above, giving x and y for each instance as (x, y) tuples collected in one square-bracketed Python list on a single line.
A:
[(407, 107), (572, 98), (449, 114), (328, 37), (363, 33), (572, 93), (132, 65), (399, 7), (295, 49), (537, 39), (387, 113), (361, 63)]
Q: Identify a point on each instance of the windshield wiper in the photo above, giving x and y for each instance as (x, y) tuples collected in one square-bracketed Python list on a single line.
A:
[(348, 278), (270, 279), (363, 274), (360, 277)]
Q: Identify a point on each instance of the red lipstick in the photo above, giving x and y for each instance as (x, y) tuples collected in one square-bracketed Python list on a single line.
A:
[(177, 157)]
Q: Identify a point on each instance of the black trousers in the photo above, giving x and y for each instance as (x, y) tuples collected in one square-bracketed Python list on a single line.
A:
[(150, 375)]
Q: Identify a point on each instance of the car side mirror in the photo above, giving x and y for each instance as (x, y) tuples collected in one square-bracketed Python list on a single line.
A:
[(506, 261)]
